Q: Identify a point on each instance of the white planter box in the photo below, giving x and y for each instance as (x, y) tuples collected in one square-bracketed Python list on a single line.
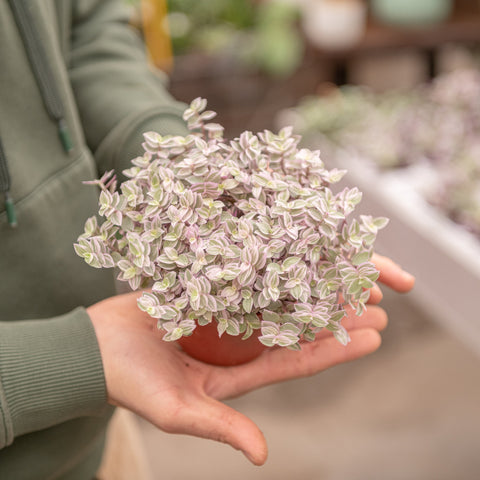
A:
[(443, 256)]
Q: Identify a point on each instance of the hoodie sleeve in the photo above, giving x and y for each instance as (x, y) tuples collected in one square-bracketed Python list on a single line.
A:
[(119, 95), (50, 372)]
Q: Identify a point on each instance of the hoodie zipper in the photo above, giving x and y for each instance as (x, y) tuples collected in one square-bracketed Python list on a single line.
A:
[(24, 18)]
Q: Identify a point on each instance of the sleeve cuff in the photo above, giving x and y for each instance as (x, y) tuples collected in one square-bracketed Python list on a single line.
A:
[(125, 142), (50, 371)]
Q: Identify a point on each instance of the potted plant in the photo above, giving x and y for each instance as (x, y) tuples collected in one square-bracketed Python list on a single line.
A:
[(334, 24), (261, 36), (411, 13), (244, 238)]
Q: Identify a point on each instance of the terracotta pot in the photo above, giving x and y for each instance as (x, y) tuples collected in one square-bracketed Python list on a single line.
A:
[(205, 345)]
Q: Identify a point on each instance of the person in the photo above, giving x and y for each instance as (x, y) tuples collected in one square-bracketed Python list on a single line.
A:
[(76, 94)]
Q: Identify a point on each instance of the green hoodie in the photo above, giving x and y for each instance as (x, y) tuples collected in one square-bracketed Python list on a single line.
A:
[(76, 68)]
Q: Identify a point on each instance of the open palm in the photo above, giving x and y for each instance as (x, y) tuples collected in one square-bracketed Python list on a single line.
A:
[(178, 394)]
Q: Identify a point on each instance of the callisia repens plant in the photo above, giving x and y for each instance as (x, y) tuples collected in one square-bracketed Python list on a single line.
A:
[(246, 233)]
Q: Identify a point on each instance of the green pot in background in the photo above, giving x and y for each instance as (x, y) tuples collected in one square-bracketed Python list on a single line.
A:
[(411, 13)]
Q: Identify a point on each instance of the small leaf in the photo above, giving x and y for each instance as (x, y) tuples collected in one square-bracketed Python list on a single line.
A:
[(361, 257), (337, 316), (342, 335), (290, 262), (380, 222), (269, 316)]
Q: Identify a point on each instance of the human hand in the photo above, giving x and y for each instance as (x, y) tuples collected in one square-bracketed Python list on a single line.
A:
[(178, 394), (392, 276)]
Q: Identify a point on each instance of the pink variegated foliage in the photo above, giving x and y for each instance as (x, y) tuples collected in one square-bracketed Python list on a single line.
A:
[(246, 233)]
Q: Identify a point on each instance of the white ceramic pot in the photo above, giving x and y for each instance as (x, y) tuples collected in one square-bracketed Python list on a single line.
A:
[(334, 24)]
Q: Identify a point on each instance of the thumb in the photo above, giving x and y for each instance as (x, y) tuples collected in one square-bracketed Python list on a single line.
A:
[(216, 421)]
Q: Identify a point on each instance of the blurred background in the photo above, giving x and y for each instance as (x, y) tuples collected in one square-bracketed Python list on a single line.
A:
[(389, 90)]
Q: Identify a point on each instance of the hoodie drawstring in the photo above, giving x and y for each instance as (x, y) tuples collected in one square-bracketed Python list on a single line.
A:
[(25, 20), (5, 188)]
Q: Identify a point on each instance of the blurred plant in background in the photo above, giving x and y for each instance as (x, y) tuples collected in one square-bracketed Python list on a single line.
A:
[(436, 126), (208, 25), (262, 35), (455, 103), (355, 118)]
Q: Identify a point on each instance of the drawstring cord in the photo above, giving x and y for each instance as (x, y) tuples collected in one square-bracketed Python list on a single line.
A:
[(10, 209), (5, 188), (25, 20)]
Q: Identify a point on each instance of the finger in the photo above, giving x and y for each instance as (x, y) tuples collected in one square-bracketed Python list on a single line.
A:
[(392, 274), (373, 317), (213, 420), (376, 295), (281, 364)]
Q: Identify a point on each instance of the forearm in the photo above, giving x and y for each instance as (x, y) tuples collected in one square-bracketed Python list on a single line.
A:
[(50, 372), (119, 95)]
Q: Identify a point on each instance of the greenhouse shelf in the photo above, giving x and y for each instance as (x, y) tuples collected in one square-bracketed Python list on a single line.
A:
[(444, 257)]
